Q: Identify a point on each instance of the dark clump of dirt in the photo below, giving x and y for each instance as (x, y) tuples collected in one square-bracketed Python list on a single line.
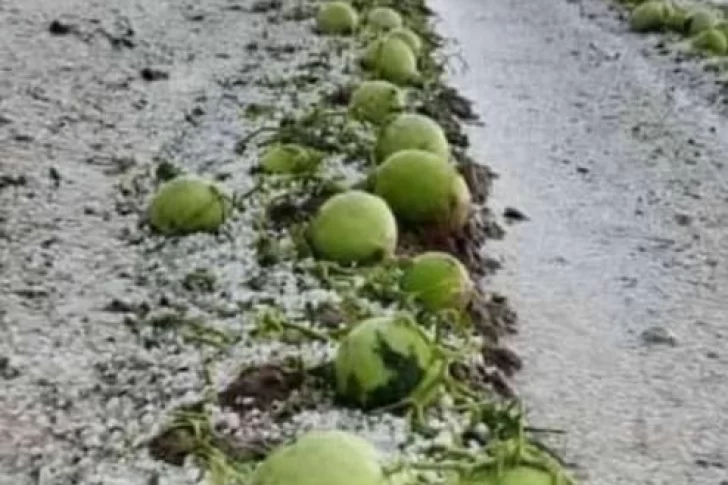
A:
[(259, 387)]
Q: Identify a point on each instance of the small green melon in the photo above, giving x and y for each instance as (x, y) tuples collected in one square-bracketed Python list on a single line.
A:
[(649, 17), (712, 41), (411, 131), (337, 18), (423, 188), (409, 37), (375, 101), (395, 62), (371, 54), (383, 19), (677, 19), (353, 227), (322, 457), (188, 204), (700, 20), (439, 281), (290, 158)]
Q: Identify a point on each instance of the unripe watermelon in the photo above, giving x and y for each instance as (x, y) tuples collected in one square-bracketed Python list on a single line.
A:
[(423, 188), (439, 281), (353, 227), (382, 361), (188, 204), (336, 18), (322, 458), (411, 131)]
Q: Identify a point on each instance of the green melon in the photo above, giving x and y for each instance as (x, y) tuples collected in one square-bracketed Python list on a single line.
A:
[(371, 54), (353, 227), (649, 17), (322, 458), (375, 101), (677, 20), (411, 131), (700, 20), (712, 41), (409, 37), (336, 18), (188, 204), (395, 62), (383, 19), (439, 281), (382, 361), (423, 188), (290, 158)]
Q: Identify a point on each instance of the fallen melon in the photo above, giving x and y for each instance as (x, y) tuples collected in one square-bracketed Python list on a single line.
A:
[(353, 227), (188, 204), (336, 18), (439, 281), (411, 131), (423, 188), (375, 101)]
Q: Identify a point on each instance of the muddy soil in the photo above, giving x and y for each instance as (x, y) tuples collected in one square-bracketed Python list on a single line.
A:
[(616, 155)]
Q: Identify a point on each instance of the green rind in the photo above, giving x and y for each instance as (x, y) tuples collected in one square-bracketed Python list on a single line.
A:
[(322, 458), (376, 101), (422, 188), (188, 204), (336, 18), (411, 131), (439, 281), (353, 227), (380, 362)]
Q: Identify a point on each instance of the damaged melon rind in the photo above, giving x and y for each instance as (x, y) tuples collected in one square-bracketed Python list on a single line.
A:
[(336, 18), (411, 131), (423, 189), (188, 204), (353, 227), (375, 101), (439, 281)]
